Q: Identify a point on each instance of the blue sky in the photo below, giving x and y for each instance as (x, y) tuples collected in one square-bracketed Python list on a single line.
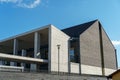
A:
[(18, 16)]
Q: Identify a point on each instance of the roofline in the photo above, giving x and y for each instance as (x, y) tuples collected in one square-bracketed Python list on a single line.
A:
[(79, 24), (61, 31), (91, 25), (110, 43), (25, 33), (106, 34)]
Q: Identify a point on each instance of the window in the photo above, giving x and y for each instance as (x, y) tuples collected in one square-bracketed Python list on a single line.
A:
[(74, 51), (72, 55)]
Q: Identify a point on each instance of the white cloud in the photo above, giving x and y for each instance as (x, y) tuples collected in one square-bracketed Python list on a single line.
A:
[(116, 42), (7, 1), (22, 3), (32, 5)]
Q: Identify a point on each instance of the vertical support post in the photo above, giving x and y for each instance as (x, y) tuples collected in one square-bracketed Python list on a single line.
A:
[(37, 45), (69, 64), (79, 55), (58, 58), (1, 62), (49, 46), (36, 49), (15, 47), (15, 51), (23, 54), (116, 58)]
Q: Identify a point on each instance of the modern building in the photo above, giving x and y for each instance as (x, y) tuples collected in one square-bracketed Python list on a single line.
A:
[(81, 49)]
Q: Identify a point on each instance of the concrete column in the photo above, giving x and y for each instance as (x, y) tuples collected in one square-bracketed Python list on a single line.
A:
[(1, 62), (36, 49), (15, 47), (15, 51), (37, 45), (23, 54)]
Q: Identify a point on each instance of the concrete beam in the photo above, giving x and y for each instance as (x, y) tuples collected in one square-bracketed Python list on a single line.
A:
[(21, 59)]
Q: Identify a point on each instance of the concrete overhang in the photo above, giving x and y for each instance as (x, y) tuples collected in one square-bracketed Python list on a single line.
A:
[(26, 40), (26, 33), (15, 58)]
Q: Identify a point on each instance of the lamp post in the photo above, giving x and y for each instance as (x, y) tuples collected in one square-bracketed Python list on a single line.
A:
[(58, 46)]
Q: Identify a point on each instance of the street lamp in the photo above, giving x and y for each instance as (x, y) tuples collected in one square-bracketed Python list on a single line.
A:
[(58, 46)]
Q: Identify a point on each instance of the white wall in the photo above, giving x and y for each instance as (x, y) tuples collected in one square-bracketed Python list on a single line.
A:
[(87, 69), (109, 71), (74, 68), (58, 37)]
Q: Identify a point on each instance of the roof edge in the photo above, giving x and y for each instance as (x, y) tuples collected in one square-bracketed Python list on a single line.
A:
[(81, 24), (27, 32), (106, 34)]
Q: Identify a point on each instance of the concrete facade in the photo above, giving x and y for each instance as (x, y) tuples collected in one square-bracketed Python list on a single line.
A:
[(58, 56), (81, 49), (74, 68), (43, 76), (90, 50), (109, 52)]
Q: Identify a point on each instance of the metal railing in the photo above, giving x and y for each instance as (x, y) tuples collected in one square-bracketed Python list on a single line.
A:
[(11, 68)]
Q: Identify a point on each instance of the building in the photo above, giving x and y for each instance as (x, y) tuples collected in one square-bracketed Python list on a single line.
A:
[(115, 75), (81, 49)]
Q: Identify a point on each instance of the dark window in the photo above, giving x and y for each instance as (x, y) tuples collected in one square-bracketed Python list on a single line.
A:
[(74, 51), (72, 55)]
